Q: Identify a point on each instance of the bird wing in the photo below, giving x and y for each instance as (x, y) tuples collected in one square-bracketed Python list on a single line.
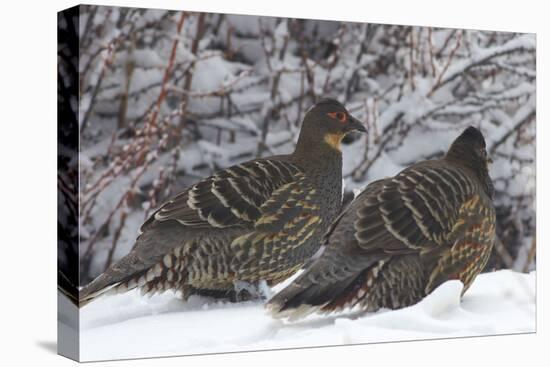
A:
[(231, 197), (414, 211)]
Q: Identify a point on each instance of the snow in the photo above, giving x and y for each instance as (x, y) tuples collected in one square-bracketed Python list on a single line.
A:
[(131, 326)]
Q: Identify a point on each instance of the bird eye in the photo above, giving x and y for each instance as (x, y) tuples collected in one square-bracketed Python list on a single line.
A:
[(340, 116)]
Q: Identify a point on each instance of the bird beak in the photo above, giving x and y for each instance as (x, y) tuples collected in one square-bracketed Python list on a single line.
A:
[(355, 125)]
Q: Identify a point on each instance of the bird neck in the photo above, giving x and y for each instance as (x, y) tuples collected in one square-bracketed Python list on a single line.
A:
[(320, 153), (322, 164), (313, 142), (323, 167), (464, 156)]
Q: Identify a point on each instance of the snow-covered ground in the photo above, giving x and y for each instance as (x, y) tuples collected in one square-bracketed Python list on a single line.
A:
[(131, 326)]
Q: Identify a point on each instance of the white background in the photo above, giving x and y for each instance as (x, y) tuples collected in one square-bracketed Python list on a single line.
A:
[(28, 181)]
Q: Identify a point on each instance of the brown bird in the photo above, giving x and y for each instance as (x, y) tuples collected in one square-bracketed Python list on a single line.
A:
[(252, 222), (402, 237)]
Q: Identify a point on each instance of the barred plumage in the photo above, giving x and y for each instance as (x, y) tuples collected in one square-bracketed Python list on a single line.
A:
[(256, 221), (402, 237)]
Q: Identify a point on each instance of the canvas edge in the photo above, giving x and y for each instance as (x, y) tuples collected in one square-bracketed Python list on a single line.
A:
[(68, 318)]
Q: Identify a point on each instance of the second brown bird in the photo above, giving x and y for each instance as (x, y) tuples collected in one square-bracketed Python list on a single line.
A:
[(402, 237)]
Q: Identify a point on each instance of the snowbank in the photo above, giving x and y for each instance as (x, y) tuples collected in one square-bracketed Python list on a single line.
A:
[(131, 326)]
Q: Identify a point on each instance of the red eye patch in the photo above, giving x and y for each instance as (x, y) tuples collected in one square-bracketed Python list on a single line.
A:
[(340, 116)]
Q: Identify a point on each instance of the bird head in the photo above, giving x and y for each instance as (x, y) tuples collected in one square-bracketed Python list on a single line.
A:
[(330, 120), (470, 150)]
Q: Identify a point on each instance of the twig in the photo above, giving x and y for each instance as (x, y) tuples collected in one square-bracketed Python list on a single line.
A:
[(439, 79), (503, 253), (431, 50), (411, 59), (167, 71)]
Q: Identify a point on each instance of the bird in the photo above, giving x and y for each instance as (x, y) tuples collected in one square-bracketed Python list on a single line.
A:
[(246, 226), (401, 238)]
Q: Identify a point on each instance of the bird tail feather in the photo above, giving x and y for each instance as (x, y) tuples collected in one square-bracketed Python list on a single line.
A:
[(97, 288), (304, 297)]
